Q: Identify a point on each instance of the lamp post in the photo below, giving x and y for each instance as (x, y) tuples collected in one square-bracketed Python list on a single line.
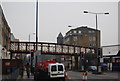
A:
[(31, 53), (36, 31), (30, 35), (36, 25), (96, 14)]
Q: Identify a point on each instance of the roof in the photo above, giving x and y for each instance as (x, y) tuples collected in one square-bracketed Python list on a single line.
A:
[(82, 28), (60, 35), (85, 27)]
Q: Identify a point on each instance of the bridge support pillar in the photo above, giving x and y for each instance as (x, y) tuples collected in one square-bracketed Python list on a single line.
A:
[(76, 62), (10, 55), (79, 62), (73, 62)]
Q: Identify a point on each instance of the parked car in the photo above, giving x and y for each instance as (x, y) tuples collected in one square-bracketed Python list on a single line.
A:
[(103, 66), (92, 68)]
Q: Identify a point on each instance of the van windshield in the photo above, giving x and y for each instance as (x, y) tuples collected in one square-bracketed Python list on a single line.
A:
[(60, 68), (54, 68)]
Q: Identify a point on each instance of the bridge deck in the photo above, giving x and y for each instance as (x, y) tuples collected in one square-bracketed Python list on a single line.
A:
[(49, 48)]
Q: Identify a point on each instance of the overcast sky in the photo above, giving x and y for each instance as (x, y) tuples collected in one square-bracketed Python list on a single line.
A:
[(54, 17)]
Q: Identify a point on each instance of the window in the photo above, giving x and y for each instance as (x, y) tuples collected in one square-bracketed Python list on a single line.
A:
[(94, 45), (94, 38), (79, 31), (93, 31), (75, 38), (89, 31), (90, 38), (54, 68), (70, 33), (74, 31), (60, 68), (67, 34), (90, 45), (67, 39)]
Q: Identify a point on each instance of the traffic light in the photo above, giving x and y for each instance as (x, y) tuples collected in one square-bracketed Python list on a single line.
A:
[(99, 52), (82, 54), (32, 53)]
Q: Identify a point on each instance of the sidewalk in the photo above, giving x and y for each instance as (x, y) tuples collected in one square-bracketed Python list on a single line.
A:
[(25, 78)]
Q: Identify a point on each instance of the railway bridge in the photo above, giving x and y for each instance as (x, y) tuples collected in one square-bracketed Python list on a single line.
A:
[(50, 49)]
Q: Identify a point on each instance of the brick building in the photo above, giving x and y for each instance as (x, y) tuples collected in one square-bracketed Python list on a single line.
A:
[(4, 35), (82, 36)]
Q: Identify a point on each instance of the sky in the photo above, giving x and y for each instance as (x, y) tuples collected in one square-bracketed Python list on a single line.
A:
[(55, 16)]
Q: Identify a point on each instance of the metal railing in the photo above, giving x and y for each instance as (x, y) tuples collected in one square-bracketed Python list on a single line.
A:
[(49, 48)]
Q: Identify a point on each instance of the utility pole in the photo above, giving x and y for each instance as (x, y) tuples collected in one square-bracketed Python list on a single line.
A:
[(36, 31), (98, 57)]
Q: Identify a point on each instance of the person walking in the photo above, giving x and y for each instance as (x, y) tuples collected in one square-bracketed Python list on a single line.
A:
[(21, 71), (27, 68)]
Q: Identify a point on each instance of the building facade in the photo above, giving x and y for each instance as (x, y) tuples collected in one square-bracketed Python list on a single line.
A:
[(83, 36), (4, 36)]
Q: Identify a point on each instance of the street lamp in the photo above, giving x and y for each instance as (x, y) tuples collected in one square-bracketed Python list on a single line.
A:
[(95, 12), (96, 34), (36, 25), (29, 39), (31, 53), (30, 35), (36, 31)]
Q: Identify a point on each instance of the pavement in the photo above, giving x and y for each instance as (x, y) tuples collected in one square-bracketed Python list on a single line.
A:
[(77, 76), (25, 78)]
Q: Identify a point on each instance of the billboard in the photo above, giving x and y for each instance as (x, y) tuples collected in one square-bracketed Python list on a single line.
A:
[(110, 50)]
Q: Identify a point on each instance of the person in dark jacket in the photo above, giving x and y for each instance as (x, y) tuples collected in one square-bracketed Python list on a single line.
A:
[(27, 68), (21, 71)]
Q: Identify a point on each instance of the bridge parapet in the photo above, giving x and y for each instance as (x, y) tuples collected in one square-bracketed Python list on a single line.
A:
[(49, 48)]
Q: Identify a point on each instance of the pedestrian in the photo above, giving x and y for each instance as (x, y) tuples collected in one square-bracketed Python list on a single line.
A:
[(27, 68), (21, 71)]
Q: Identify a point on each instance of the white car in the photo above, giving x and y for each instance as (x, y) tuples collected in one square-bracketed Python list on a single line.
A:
[(56, 70)]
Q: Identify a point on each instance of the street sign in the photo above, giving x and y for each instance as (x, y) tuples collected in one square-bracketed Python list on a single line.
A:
[(110, 50)]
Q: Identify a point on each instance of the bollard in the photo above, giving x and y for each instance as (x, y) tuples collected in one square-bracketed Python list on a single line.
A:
[(82, 68), (85, 76), (66, 75), (99, 69)]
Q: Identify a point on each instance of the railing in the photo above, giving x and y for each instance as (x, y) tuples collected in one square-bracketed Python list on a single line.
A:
[(49, 48)]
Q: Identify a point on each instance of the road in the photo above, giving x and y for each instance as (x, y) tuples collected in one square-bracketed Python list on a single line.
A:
[(77, 76), (110, 76)]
